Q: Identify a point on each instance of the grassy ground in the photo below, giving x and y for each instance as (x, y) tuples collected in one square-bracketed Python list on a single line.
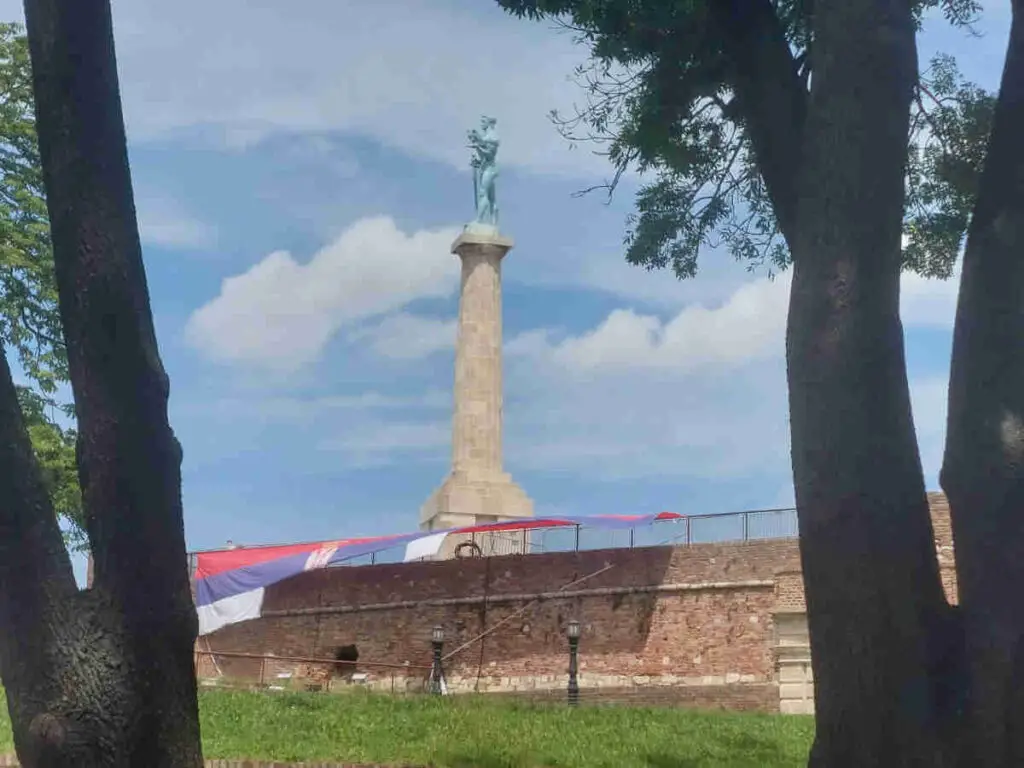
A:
[(469, 732)]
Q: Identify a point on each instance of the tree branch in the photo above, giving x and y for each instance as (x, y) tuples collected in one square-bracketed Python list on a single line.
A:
[(36, 579), (770, 96)]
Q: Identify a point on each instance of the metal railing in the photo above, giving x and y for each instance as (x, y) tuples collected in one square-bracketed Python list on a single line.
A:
[(750, 525)]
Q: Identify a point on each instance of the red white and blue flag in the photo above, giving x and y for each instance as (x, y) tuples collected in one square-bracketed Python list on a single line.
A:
[(230, 583)]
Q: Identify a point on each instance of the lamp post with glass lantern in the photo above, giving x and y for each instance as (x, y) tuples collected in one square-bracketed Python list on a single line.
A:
[(437, 643), (573, 633)]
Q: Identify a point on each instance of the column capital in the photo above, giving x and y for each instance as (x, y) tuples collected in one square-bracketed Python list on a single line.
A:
[(483, 238)]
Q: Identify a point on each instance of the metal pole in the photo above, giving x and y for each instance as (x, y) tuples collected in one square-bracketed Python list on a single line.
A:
[(576, 546), (687, 531), (746, 526), (631, 532)]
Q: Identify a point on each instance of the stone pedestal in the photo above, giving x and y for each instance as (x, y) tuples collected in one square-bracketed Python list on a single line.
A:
[(477, 490), (462, 501)]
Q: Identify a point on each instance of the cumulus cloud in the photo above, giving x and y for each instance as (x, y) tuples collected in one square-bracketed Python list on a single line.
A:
[(293, 410), (616, 425), (280, 313), (382, 443), (164, 223), (929, 303), (412, 74), (408, 337), (695, 393), (701, 393), (747, 326)]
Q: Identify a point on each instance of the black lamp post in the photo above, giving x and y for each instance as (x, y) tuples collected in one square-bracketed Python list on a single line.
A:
[(573, 633), (437, 643)]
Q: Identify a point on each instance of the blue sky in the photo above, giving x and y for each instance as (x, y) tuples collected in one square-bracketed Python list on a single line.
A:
[(300, 173)]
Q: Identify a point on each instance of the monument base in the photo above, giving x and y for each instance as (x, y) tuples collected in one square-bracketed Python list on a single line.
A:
[(462, 501)]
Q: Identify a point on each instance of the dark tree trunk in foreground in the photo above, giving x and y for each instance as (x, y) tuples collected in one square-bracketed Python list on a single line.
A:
[(983, 470), (103, 677), (874, 597)]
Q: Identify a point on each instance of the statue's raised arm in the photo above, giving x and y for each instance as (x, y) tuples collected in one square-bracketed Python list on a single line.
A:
[(484, 143)]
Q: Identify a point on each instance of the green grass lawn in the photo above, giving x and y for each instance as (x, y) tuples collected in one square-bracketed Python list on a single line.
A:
[(476, 732)]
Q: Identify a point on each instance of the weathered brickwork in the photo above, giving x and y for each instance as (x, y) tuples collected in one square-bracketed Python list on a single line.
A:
[(684, 623), (789, 584), (944, 543), (692, 616)]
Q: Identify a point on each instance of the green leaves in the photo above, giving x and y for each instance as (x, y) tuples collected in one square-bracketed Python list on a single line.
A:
[(950, 125), (29, 319), (661, 100), (54, 449), (29, 316)]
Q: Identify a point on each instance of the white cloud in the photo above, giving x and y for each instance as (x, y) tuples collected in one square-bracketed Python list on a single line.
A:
[(164, 223), (408, 337), (295, 411), (617, 425), (280, 313), (697, 393), (412, 74), (747, 326), (381, 443), (929, 303), (702, 393)]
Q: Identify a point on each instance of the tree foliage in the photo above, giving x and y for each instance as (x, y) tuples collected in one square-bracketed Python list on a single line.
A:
[(54, 448), (660, 100), (29, 317)]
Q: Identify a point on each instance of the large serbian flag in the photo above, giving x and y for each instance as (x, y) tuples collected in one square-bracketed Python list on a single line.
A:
[(230, 583)]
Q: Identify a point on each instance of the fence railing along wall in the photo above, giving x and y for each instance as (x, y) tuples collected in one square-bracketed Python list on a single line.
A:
[(747, 525)]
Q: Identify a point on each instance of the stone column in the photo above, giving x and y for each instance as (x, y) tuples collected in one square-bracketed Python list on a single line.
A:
[(478, 490), (476, 424)]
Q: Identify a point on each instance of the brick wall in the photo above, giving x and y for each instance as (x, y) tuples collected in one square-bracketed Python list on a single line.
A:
[(657, 618), (789, 582), (699, 615), (943, 530)]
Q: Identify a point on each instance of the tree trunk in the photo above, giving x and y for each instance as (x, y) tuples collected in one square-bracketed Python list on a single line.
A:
[(983, 468), (103, 677), (874, 598)]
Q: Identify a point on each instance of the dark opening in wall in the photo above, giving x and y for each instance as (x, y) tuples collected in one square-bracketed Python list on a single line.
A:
[(346, 656)]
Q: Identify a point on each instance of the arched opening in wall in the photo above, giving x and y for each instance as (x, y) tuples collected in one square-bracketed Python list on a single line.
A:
[(346, 657)]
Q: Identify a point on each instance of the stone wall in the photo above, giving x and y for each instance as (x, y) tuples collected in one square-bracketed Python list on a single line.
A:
[(659, 617), (707, 624)]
